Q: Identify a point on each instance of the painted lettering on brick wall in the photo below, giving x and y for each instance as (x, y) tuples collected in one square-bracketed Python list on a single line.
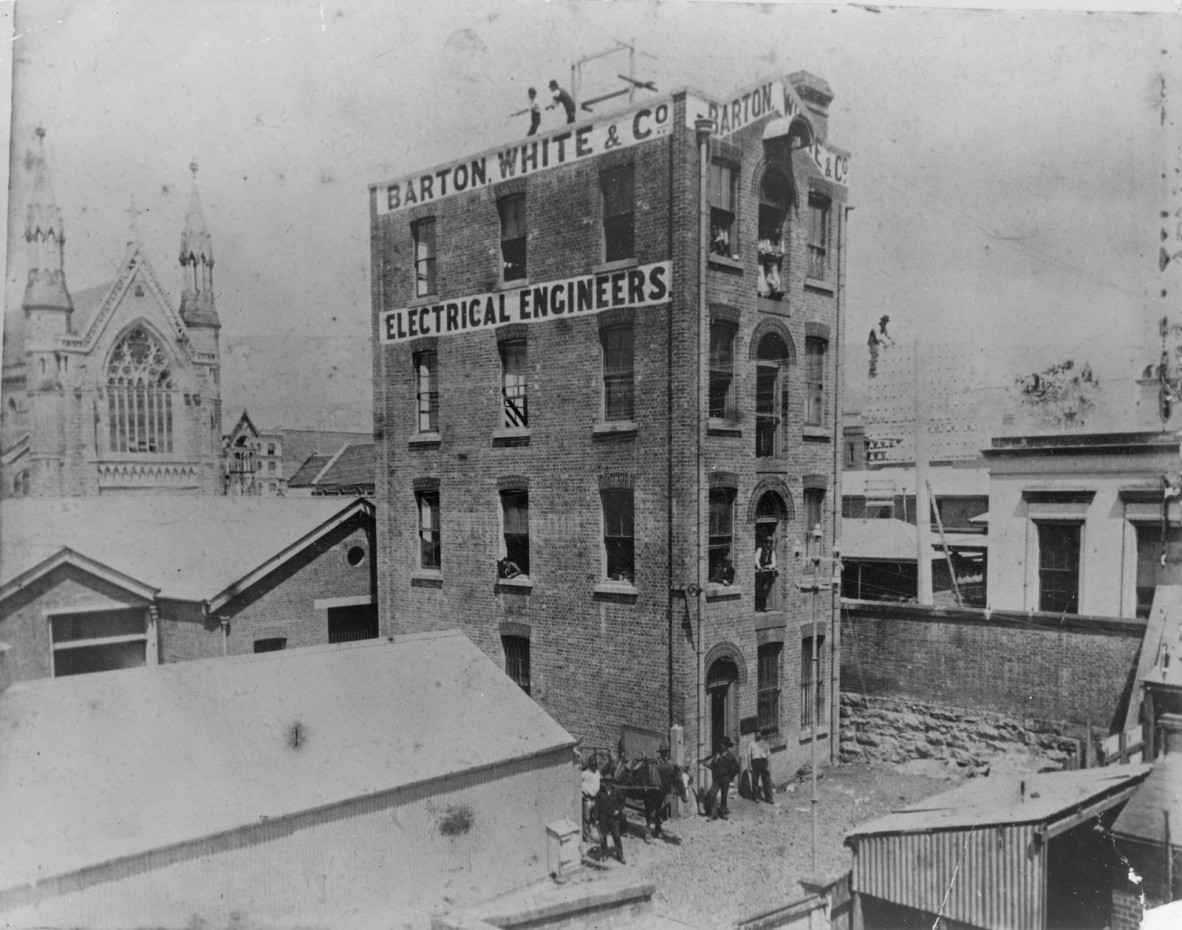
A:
[(651, 121), (644, 286), (769, 98)]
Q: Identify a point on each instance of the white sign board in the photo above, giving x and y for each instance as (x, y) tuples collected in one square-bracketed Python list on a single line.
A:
[(643, 286)]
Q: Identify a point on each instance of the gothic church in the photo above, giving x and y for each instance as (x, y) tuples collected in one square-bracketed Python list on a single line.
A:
[(110, 390)]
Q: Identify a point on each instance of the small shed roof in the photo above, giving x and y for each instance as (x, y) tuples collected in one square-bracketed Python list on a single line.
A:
[(313, 465), (352, 466), (946, 481), (189, 547), (894, 540), (1035, 798), (1162, 791), (117, 763)]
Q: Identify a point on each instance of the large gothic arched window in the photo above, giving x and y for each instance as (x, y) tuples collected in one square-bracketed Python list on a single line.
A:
[(139, 395)]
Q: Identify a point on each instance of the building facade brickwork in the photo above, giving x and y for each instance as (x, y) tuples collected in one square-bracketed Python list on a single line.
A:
[(74, 614), (639, 466)]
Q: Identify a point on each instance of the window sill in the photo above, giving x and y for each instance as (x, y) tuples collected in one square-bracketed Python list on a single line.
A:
[(771, 465), (768, 304), (718, 427), (816, 284), (518, 585), (511, 436), (770, 619), (423, 299), (817, 733), (725, 261), (817, 433), (622, 592), (721, 592), (426, 578), (513, 285), (614, 428), (615, 266), (424, 441)]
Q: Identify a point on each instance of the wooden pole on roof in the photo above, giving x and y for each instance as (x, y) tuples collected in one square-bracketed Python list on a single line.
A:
[(944, 545)]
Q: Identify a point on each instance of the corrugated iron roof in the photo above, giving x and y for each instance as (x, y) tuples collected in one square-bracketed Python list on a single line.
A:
[(1009, 799), (190, 547), (352, 466), (946, 482), (894, 540), (1162, 791), (116, 763), (313, 465), (1000, 800)]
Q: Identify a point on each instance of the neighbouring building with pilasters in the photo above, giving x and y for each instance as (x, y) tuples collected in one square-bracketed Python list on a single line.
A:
[(606, 370)]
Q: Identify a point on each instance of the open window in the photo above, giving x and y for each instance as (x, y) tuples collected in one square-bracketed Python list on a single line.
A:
[(774, 197)]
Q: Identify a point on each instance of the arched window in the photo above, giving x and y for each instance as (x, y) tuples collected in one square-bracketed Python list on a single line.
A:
[(139, 395), (769, 534), (20, 487), (775, 194), (771, 395)]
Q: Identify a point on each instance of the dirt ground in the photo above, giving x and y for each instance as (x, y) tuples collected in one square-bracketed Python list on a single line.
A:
[(708, 874)]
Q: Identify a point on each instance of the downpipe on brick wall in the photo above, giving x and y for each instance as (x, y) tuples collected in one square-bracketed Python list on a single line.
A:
[(703, 128)]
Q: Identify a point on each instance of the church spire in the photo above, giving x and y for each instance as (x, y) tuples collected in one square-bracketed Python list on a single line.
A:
[(196, 259), (46, 287)]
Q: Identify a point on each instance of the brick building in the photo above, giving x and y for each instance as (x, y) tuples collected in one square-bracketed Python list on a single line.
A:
[(191, 578), (265, 462), (609, 355), (111, 389)]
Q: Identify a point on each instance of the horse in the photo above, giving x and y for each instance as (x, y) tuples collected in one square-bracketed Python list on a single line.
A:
[(651, 783)]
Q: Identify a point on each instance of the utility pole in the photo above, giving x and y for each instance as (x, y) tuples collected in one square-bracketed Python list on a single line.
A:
[(923, 506)]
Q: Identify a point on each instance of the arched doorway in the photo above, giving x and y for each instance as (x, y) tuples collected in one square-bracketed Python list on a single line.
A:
[(721, 679)]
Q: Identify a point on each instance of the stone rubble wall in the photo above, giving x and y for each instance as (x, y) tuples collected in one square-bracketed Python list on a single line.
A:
[(880, 729)]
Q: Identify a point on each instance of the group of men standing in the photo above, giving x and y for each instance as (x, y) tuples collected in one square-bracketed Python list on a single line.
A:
[(561, 98), (603, 801)]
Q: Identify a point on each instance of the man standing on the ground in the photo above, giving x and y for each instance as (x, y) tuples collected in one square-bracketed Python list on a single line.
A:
[(591, 788), (567, 101), (724, 766), (611, 811), (761, 776)]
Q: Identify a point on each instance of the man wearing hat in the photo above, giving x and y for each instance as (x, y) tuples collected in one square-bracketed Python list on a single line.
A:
[(724, 766)]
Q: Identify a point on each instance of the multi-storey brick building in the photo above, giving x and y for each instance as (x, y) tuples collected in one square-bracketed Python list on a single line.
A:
[(606, 369)]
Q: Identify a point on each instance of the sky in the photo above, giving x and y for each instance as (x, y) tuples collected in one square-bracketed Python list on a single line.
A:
[(1007, 165)]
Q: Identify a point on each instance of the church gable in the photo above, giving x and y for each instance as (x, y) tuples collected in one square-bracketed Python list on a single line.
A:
[(136, 295)]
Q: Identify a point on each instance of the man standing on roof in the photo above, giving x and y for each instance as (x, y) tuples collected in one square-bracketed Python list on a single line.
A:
[(534, 110), (567, 101)]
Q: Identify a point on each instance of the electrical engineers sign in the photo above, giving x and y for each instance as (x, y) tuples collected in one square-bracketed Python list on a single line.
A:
[(539, 153), (644, 286)]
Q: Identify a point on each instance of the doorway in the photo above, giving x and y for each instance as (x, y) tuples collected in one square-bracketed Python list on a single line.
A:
[(720, 681)]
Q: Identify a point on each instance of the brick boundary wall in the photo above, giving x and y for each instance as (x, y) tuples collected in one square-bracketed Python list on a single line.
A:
[(966, 685)]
